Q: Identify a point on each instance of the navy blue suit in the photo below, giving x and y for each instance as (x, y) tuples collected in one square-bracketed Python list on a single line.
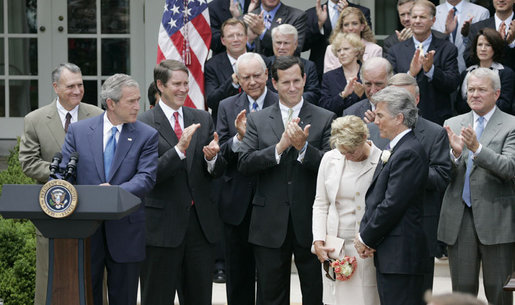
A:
[(433, 138), (133, 169), (285, 14), (435, 95), (333, 83), (318, 42), (392, 224), (235, 198)]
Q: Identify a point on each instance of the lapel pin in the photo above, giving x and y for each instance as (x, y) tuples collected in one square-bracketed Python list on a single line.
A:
[(129, 139), (279, 20)]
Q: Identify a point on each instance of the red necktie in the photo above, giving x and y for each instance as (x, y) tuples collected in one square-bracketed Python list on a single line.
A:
[(177, 128)]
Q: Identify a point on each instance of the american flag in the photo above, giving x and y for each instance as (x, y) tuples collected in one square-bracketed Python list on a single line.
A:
[(185, 35)]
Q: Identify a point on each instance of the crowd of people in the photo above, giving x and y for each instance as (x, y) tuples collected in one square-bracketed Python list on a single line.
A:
[(362, 163)]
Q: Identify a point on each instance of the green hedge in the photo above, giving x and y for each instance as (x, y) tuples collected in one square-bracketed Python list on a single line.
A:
[(17, 245)]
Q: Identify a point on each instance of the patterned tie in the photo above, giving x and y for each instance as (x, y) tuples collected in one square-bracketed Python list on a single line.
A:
[(67, 122), (268, 21), (109, 152), (254, 107), (455, 29), (334, 16), (177, 128), (466, 186)]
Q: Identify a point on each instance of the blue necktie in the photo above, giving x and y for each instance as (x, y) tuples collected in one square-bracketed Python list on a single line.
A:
[(268, 21), (254, 107), (456, 29), (109, 152), (466, 186)]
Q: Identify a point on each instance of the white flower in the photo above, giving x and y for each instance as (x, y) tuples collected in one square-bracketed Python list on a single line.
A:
[(385, 155)]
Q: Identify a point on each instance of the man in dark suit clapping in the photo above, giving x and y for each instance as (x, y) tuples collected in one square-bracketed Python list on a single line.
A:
[(283, 147), (432, 61), (392, 224), (237, 190), (182, 222)]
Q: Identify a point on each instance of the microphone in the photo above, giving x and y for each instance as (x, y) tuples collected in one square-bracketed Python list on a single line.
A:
[(71, 167), (54, 165)]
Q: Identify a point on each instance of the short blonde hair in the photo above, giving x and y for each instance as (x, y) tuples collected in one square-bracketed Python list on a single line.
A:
[(349, 131), (352, 39)]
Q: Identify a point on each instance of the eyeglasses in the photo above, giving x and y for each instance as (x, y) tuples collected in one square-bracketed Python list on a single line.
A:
[(329, 271)]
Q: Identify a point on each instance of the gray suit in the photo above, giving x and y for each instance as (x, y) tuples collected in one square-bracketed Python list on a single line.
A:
[(43, 136), (486, 231)]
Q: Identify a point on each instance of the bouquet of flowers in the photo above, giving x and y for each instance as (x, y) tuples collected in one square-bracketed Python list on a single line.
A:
[(343, 269)]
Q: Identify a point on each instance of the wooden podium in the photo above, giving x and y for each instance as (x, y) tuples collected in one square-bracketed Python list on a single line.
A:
[(69, 277)]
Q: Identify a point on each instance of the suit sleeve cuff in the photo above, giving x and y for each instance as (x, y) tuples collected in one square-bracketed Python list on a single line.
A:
[(182, 155)]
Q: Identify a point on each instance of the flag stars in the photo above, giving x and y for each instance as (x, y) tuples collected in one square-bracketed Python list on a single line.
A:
[(175, 9), (166, 7), (172, 23), (201, 2)]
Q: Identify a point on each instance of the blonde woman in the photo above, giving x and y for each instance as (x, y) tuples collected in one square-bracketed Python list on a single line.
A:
[(341, 87), (344, 176), (352, 20)]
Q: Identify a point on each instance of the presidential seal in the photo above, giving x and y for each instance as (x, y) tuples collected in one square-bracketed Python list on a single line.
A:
[(58, 198)]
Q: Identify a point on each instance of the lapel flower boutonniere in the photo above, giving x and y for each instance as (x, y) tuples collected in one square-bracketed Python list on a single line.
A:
[(385, 156)]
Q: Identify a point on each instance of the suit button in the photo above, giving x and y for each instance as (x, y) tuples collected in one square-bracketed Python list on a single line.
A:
[(359, 208), (357, 193), (289, 182), (359, 222)]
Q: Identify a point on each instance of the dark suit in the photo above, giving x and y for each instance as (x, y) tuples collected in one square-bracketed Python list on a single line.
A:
[(117, 244), (392, 39), (182, 221), (282, 205), (218, 80), (358, 109), (333, 83), (392, 224), (509, 53), (433, 138), (485, 232), (236, 195), (218, 13), (311, 88), (435, 95), (318, 42), (285, 14)]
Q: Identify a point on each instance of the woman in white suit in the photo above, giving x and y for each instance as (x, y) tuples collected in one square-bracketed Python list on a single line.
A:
[(343, 179)]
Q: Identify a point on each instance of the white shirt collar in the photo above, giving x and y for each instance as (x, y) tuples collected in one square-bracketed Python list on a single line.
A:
[(232, 60), (498, 22), (398, 137), (459, 7), (62, 113), (425, 44), (296, 110), (107, 129), (260, 100), (168, 110)]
